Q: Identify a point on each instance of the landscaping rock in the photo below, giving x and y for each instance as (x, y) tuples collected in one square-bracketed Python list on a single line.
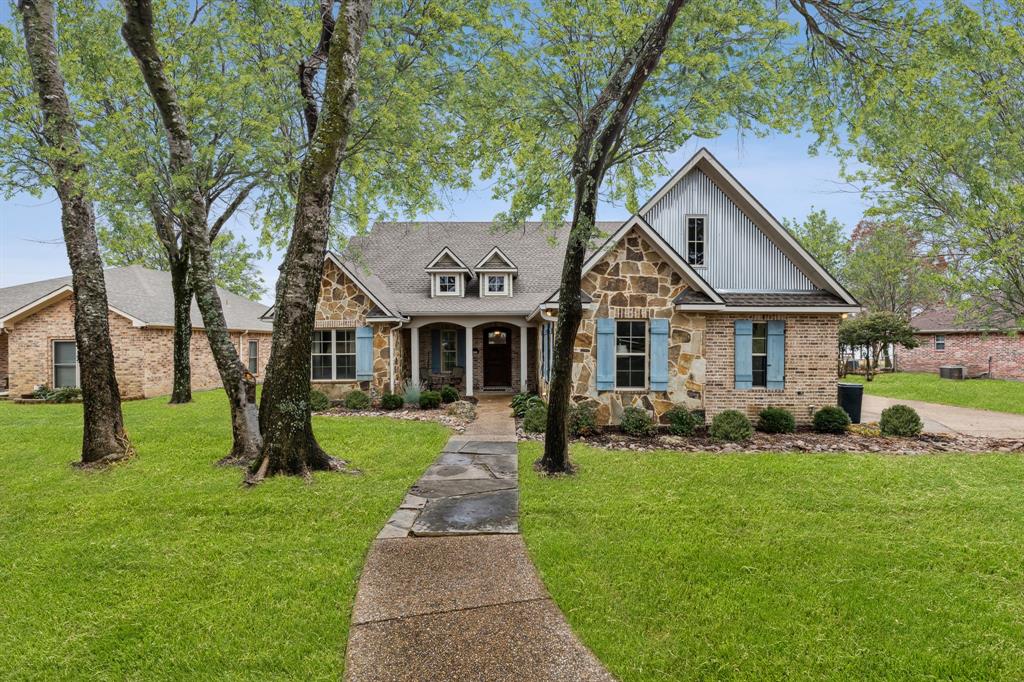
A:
[(462, 409)]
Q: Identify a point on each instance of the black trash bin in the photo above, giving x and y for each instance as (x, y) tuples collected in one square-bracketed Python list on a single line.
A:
[(850, 396)]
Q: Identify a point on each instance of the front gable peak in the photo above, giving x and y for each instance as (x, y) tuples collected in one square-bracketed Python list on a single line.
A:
[(447, 261), (496, 261)]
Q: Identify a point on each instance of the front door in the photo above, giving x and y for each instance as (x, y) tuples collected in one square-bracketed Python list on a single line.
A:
[(497, 357)]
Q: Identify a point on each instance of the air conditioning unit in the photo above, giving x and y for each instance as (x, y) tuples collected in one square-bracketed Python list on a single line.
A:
[(953, 372)]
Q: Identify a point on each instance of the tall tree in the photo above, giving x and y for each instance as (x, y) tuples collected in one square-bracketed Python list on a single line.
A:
[(824, 238), (887, 271), (104, 437), (941, 145), (190, 209)]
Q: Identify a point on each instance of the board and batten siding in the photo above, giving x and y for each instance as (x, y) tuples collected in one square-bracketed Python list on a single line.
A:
[(737, 255)]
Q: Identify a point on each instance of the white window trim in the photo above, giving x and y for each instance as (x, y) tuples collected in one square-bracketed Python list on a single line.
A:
[(454, 351), (436, 278), (686, 236), (53, 362), (646, 354), (333, 355), (248, 357), (487, 284), (936, 345), (758, 355)]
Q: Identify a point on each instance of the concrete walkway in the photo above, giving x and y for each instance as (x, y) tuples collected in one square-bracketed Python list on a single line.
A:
[(949, 419), (448, 591)]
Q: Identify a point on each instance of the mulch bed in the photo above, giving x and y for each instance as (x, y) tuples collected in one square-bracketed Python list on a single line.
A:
[(862, 438), (440, 415)]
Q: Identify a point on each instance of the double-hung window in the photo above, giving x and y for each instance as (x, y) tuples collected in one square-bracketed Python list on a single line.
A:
[(695, 240), (334, 355), (630, 354), (759, 355), (65, 364), (495, 284), (449, 349), (940, 342), (254, 357)]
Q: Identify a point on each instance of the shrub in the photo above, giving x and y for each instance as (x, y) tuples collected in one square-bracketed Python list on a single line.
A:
[(900, 420), (582, 420), (521, 402), (318, 402), (536, 418), (412, 394), (831, 419), (449, 394), (357, 400), (391, 401), (776, 420), (681, 422), (430, 400), (64, 395), (41, 392), (731, 425), (636, 422)]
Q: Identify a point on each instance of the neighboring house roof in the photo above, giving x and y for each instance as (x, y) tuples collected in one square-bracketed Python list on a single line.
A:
[(138, 293), (392, 253), (942, 318)]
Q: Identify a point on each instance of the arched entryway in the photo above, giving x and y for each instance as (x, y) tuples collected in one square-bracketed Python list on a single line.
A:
[(497, 357)]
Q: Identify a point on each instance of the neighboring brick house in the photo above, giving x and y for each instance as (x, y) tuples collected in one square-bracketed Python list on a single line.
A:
[(37, 335), (702, 299), (945, 338)]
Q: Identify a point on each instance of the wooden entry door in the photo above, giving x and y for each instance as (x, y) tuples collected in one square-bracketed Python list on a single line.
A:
[(497, 357)]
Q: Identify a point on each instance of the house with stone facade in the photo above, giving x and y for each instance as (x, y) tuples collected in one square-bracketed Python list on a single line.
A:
[(989, 348), (37, 334), (702, 298)]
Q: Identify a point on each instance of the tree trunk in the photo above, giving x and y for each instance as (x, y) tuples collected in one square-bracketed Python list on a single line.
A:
[(103, 438), (600, 135), (181, 391), (289, 446), (191, 213)]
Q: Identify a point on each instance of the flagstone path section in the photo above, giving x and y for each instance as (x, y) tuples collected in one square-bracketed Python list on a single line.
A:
[(448, 591)]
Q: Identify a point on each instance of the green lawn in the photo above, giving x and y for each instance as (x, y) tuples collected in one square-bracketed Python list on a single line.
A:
[(984, 394), (165, 567), (676, 566)]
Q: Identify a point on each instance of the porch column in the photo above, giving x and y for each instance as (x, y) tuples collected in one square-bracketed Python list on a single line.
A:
[(522, 358), (469, 361), (414, 358)]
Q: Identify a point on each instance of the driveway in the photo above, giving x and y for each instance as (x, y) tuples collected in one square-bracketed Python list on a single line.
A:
[(949, 419)]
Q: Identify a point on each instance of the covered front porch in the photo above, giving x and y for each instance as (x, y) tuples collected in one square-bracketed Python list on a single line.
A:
[(476, 355)]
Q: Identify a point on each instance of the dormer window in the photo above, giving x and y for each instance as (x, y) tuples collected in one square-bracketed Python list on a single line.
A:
[(447, 274), (495, 273), (447, 284), (497, 285)]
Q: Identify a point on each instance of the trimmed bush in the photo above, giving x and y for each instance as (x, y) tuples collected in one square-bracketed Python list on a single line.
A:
[(318, 402), (65, 394), (681, 421), (536, 418), (521, 402), (637, 423), (430, 400), (831, 419), (449, 394), (731, 425), (357, 400), (900, 420), (582, 420), (776, 420), (391, 401)]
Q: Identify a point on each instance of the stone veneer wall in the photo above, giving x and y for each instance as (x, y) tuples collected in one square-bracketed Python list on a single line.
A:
[(343, 305), (811, 361), (634, 282), (143, 357)]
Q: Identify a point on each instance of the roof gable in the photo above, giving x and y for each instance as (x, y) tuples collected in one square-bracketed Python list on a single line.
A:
[(495, 260), (447, 261)]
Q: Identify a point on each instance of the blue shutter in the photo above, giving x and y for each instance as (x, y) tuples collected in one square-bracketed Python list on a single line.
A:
[(776, 355), (605, 353), (744, 343), (460, 347), (435, 350), (659, 354), (364, 353)]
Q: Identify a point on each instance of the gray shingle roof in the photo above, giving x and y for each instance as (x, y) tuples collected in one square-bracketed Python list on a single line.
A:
[(394, 255), (796, 298), (145, 295), (942, 318)]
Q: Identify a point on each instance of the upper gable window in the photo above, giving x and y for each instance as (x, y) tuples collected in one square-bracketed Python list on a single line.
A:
[(695, 240), (448, 284), (496, 284)]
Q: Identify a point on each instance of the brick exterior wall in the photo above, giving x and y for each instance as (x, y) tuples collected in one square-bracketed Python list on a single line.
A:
[(972, 350), (143, 357), (3, 359), (811, 359)]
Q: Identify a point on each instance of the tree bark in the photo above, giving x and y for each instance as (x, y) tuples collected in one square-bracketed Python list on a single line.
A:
[(600, 135), (191, 212), (181, 391), (289, 446), (103, 437)]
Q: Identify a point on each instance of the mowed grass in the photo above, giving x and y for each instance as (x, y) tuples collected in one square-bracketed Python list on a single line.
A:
[(982, 394), (165, 567), (676, 566)]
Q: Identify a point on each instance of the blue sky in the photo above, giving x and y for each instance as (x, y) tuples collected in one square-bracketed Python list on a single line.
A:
[(777, 169)]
